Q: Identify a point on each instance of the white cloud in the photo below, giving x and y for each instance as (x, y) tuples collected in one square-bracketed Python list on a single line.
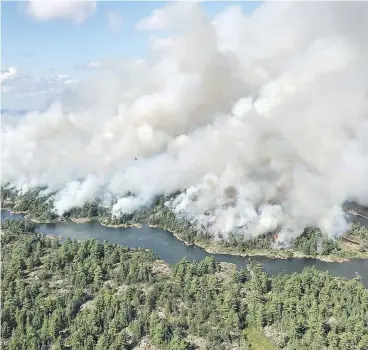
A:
[(114, 20), (77, 11), (16, 83), (8, 74), (96, 65), (159, 19), (172, 15)]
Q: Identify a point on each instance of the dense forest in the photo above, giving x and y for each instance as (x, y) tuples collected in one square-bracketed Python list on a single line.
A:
[(91, 295), (39, 207)]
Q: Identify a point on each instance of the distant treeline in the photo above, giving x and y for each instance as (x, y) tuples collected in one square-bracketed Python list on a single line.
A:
[(312, 242), (92, 295)]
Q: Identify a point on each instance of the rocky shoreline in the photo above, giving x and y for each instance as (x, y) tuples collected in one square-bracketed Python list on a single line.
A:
[(95, 219), (357, 213), (213, 248), (137, 225), (175, 234)]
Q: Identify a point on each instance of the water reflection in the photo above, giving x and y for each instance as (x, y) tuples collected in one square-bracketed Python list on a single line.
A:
[(168, 248)]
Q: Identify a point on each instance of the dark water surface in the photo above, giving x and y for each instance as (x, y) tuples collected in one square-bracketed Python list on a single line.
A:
[(170, 249)]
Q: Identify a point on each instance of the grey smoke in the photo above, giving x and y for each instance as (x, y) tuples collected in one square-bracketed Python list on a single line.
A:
[(261, 120)]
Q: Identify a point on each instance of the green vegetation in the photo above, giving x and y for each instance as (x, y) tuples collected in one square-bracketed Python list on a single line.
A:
[(33, 202), (257, 340), (312, 243), (359, 231), (92, 295)]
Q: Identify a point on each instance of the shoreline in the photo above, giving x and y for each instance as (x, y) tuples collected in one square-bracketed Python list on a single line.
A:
[(356, 213), (50, 236), (43, 222), (174, 234), (95, 219), (137, 225), (212, 248), (6, 208), (83, 220)]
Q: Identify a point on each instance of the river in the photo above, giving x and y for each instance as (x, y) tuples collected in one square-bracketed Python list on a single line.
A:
[(170, 249)]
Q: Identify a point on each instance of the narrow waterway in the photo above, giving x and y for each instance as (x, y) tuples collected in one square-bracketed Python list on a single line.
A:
[(170, 249)]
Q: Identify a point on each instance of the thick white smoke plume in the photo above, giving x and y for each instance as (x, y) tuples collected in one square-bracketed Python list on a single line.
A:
[(262, 119)]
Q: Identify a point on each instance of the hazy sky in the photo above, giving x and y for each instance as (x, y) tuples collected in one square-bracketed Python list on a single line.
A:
[(50, 46)]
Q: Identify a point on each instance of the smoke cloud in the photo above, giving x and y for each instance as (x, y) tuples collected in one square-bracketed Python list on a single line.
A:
[(260, 120)]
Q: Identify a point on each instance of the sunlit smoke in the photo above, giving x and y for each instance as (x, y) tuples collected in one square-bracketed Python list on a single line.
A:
[(260, 120)]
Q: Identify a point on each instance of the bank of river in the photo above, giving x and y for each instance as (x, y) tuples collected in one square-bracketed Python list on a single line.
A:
[(170, 249)]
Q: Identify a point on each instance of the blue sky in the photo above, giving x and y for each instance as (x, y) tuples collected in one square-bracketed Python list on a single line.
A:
[(49, 48)]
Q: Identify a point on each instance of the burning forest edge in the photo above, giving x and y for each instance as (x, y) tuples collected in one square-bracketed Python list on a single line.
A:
[(311, 244)]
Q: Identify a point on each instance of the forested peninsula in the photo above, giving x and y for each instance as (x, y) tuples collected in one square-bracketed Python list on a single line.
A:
[(93, 295), (312, 243)]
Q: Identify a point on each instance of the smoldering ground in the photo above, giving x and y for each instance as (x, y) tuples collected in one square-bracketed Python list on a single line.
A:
[(260, 120)]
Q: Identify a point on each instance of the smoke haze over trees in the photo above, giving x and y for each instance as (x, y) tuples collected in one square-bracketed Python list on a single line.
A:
[(260, 121)]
